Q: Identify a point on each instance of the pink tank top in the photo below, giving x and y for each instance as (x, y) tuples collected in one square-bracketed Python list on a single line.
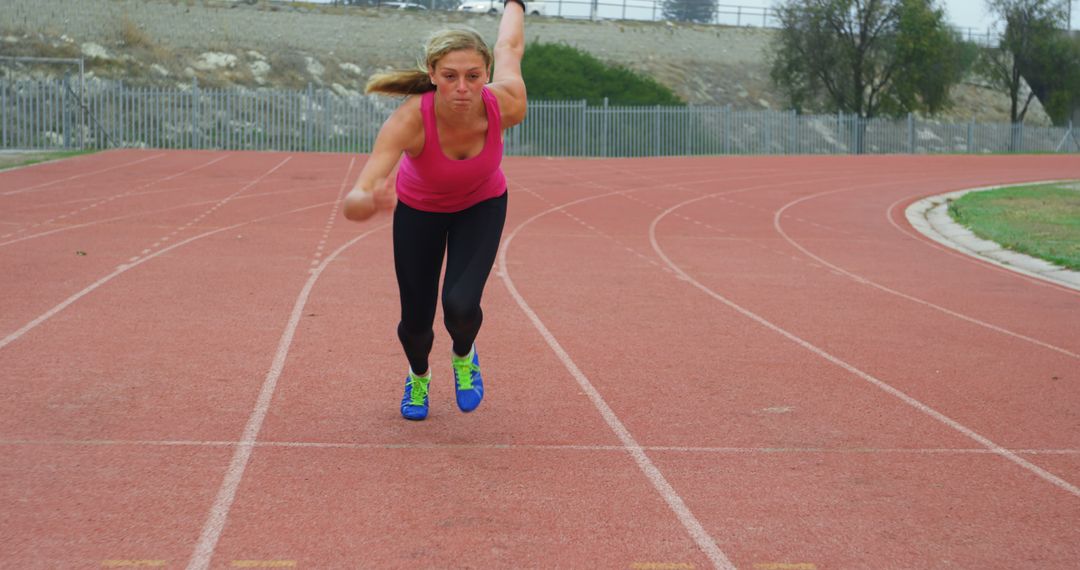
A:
[(435, 183)]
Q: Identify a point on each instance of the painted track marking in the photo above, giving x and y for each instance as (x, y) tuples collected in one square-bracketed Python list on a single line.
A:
[(70, 178), (123, 268), (1040, 472), (215, 522), (652, 473), (980, 262), (539, 447), (777, 225), (103, 201), (151, 212)]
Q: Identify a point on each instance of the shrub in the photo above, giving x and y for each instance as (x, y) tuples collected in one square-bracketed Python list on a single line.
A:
[(558, 72)]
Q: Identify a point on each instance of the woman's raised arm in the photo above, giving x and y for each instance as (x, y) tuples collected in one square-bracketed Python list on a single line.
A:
[(509, 49)]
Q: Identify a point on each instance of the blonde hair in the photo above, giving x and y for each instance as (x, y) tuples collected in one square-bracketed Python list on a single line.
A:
[(416, 80)]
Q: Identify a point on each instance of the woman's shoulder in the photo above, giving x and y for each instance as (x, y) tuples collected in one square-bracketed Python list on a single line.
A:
[(510, 95), (407, 122), (408, 114)]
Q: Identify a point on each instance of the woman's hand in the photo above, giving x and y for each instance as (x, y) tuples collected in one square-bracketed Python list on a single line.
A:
[(385, 194), (361, 204)]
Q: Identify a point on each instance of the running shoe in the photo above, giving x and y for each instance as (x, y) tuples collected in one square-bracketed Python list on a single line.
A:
[(414, 404), (470, 385)]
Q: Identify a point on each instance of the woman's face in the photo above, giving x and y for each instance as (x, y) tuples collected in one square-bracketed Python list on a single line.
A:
[(459, 77)]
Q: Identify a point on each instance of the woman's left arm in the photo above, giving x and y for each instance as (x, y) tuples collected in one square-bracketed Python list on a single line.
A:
[(507, 83)]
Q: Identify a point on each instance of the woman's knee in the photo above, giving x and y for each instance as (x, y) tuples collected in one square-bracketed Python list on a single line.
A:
[(415, 337), (460, 313)]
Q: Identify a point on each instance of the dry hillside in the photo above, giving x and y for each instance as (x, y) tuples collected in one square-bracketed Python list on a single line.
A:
[(222, 43)]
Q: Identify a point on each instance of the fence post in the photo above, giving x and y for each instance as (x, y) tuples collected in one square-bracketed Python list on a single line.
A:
[(196, 112), (4, 114), (768, 132), (604, 129), (64, 111), (656, 132), (307, 117), (793, 148), (726, 126), (971, 136), (911, 133), (839, 136)]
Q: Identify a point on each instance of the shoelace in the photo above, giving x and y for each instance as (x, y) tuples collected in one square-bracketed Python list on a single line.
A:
[(419, 391), (463, 373)]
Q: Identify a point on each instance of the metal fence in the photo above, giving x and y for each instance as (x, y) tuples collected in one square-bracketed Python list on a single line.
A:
[(53, 114)]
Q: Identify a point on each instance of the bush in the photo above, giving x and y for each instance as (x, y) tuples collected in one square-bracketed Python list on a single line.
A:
[(558, 72)]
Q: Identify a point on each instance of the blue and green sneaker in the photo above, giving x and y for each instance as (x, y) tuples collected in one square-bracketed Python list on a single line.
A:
[(470, 385), (414, 404)]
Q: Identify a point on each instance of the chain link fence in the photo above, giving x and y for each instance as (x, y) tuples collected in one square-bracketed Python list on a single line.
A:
[(55, 114)]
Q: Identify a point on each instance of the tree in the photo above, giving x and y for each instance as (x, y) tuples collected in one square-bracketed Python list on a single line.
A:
[(1030, 43), (1063, 93), (867, 57), (701, 11), (933, 59)]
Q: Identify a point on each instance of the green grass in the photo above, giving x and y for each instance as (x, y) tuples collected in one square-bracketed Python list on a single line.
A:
[(34, 157), (1041, 220)]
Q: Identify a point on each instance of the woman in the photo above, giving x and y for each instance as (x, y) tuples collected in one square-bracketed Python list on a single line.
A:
[(451, 192)]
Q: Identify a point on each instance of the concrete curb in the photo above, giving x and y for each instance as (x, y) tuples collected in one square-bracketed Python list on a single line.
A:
[(930, 216)]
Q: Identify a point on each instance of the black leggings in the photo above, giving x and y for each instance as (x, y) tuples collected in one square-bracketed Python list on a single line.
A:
[(470, 239)]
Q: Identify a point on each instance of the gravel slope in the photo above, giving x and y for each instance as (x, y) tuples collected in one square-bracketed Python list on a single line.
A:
[(705, 65)]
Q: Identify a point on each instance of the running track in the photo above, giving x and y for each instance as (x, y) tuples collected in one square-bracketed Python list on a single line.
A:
[(692, 363)]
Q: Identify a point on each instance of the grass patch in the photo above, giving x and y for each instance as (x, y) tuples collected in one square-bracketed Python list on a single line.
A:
[(15, 160), (1041, 220)]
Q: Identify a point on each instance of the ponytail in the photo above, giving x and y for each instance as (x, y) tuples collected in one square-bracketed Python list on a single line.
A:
[(400, 82)]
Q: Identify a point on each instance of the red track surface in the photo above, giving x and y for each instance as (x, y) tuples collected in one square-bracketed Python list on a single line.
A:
[(729, 362)]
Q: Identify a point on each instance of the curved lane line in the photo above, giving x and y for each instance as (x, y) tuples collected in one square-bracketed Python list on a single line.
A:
[(985, 442), (1037, 280), (670, 496), (860, 279), (215, 522)]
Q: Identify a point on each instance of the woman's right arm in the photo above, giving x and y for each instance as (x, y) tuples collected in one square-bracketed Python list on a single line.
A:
[(507, 82), (374, 189)]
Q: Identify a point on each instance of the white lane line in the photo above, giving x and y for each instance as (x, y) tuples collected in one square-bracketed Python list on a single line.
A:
[(1036, 279), (221, 203), (215, 522), (1042, 473), (777, 225), (127, 267), (652, 473), (102, 201), (70, 178), (535, 447)]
